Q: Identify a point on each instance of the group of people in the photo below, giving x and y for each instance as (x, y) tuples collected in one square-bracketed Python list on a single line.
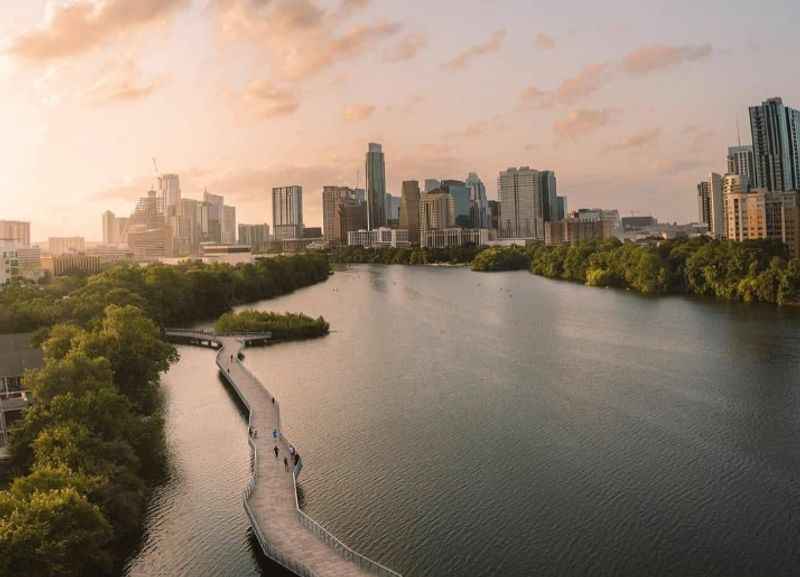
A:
[(294, 456)]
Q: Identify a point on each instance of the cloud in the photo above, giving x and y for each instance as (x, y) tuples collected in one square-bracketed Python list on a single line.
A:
[(652, 58), (641, 139), (582, 122), (121, 83), (589, 80), (267, 100), (300, 38), (544, 41), (349, 7), (407, 48), (358, 112), (464, 58), (76, 27)]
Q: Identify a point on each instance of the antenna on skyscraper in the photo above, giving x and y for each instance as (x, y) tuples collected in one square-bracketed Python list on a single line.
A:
[(738, 132)]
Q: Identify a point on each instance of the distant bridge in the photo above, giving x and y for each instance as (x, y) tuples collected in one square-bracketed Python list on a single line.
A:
[(285, 533)]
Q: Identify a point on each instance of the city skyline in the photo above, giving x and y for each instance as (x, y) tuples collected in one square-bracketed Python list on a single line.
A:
[(614, 110)]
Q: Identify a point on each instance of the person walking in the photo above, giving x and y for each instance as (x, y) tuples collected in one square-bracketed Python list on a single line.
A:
[(285, 464), (276, 451)]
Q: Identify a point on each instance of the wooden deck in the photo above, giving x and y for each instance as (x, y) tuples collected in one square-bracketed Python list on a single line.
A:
[(286, 534)]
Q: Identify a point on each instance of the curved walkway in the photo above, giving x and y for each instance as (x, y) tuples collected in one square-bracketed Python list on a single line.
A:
[(286, 534)]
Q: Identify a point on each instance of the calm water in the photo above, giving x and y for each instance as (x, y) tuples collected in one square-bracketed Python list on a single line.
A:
[(459, 424)]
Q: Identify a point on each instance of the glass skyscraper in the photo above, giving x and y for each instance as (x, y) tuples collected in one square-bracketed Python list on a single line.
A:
[(376, 187)]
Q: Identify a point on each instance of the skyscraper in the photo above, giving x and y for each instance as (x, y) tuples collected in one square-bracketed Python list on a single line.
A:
[(169, 186), (228, 224), (376, 186), (480, 204), (431, 184), (776, 145), (331, 196), (548, 195), (740, 161), (109, 228), (710, 204), (409, 210), (521, 214), (287, 212), (216, 204), (461, 201)]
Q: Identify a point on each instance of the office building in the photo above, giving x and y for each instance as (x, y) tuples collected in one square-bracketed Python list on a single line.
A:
[(9, 264), (192, 227), (494, 214), (376, 186), (521, 211), (287, 212), (226, 253), (634, 223), (478, 201), (409, 210), (431, 184), (16, 230), (332, 196), (383, 237), (573, 230), (58, 245), (228, 224), (256, 236), (548, 197), (215, 214), (734, 184), (312, 232), (763, 214), (710, 205), (740, 162), (89, 262), (391, 205), (436, 211), (462, 206), (562, 210), (776, 145), (350, 215), (169, 187), (454, 237)]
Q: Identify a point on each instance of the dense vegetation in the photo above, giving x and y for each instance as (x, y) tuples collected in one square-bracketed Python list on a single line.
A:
[(285, 327), (416, 255), (502, 258), (91, 445)]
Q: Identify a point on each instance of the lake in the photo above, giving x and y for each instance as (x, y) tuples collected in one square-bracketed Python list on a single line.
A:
[(464, 424)]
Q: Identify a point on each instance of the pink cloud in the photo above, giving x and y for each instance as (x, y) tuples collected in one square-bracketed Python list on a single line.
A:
[(656, 57), (582, 122), (358, 112), (467, 56)]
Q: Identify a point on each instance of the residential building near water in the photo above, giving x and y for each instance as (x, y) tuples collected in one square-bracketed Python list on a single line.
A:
[(375, 168), (287, 212), (710, 204), (16, 230), (58, 245), (409, 210), (256, 236), (521, 211), (775, 129), (383, 237), (741, 162), (764, 214)]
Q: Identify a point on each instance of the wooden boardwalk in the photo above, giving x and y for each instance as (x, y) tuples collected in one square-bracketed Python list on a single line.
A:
[(286, 534)]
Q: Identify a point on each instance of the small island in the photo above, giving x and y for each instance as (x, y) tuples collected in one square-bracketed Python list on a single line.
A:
[(284, 327)]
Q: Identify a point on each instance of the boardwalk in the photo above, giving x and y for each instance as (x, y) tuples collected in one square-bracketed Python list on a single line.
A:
[(285, 533)]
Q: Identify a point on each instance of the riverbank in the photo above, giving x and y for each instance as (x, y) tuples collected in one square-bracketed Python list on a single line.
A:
[(100, 389)]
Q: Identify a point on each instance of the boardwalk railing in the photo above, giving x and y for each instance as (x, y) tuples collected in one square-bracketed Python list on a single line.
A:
[(305, 520)]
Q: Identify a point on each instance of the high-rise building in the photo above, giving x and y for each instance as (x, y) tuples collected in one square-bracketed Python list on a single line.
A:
[(287, 212), (169, 187), (256, 236), (16, 230), (494, 214), (776, 145), (561, 208), (331, 197), (762, 214), (228, 224), (710, 205), (216, 208), (478, 200), (109, 228), (740, 162), (734, 184), (409, 210), (431, 184), (391, 207), (58, 245), (376, 186), (437, 211), (461, 201), (521, 214), (548, 197), (350, 215)]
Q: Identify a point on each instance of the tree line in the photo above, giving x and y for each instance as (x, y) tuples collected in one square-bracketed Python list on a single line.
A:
[(91, 445), (410, 256), (285, 327), (751, 271)]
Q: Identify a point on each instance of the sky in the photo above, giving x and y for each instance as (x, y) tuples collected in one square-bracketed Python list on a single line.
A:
[(631, 102)]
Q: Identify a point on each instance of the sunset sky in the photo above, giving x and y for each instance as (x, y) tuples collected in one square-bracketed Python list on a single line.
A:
[(629, 101)]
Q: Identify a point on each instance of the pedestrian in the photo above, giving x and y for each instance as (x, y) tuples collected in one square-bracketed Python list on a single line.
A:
[(276, 451), (285, 464), (291, 450), (275, 434), (255, 433), (273, 400)]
